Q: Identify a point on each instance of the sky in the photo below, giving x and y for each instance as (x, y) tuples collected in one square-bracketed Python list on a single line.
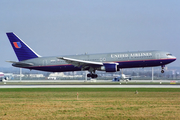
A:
[(69, 27)]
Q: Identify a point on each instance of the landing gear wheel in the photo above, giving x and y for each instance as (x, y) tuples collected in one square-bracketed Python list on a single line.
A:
[(92, 75), (162, 71), (88, 75)]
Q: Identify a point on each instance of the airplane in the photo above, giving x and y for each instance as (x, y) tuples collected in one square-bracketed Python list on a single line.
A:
[(125, 77), (1, 76), (109, 62), (122, 77)]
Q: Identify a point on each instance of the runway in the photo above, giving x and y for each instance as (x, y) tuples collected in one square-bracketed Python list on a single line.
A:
[(93, 80), (89, 86)]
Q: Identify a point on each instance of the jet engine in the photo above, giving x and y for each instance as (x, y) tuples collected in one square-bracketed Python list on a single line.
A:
[(110, 67)]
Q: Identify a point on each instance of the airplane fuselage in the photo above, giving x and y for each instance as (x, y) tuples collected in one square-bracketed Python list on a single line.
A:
[(124, 60)]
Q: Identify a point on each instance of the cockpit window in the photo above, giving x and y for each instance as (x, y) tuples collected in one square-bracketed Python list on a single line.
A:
[(169, 54)]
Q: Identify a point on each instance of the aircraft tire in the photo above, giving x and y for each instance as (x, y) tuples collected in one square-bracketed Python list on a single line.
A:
[(94, 76), (89, 75)]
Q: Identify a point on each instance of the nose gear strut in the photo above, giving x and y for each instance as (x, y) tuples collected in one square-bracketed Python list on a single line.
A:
[(162, 71)]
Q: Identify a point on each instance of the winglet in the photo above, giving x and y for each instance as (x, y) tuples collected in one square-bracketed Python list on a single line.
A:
[(22, 50)]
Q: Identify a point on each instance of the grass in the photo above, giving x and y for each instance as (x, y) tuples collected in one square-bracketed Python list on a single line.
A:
[(98, 103)]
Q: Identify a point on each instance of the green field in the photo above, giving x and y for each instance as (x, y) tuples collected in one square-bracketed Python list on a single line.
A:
[(92, 103)]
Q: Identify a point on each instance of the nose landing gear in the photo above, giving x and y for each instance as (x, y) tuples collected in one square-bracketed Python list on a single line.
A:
[(162, 71)]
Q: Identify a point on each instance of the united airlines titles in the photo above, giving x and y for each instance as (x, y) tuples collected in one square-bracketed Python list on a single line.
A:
[(130, 55)]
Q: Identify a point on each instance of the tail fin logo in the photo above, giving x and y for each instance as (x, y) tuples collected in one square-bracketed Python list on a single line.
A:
[(17, 44)]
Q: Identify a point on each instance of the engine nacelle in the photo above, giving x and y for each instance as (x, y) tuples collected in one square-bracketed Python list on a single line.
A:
[(109, 67)]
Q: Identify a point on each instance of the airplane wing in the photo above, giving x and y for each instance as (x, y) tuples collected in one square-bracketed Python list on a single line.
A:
[(81, 63)]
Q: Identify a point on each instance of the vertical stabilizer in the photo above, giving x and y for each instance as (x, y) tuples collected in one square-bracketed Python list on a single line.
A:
[(23, 51)]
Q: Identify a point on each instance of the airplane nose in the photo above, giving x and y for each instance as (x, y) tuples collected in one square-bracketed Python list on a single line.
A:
[(173, 57)]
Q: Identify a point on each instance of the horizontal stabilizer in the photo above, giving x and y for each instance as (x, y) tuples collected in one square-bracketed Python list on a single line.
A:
[(20, 64)]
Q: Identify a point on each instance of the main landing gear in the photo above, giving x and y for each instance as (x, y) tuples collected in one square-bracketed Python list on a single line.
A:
[(92, 75)]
